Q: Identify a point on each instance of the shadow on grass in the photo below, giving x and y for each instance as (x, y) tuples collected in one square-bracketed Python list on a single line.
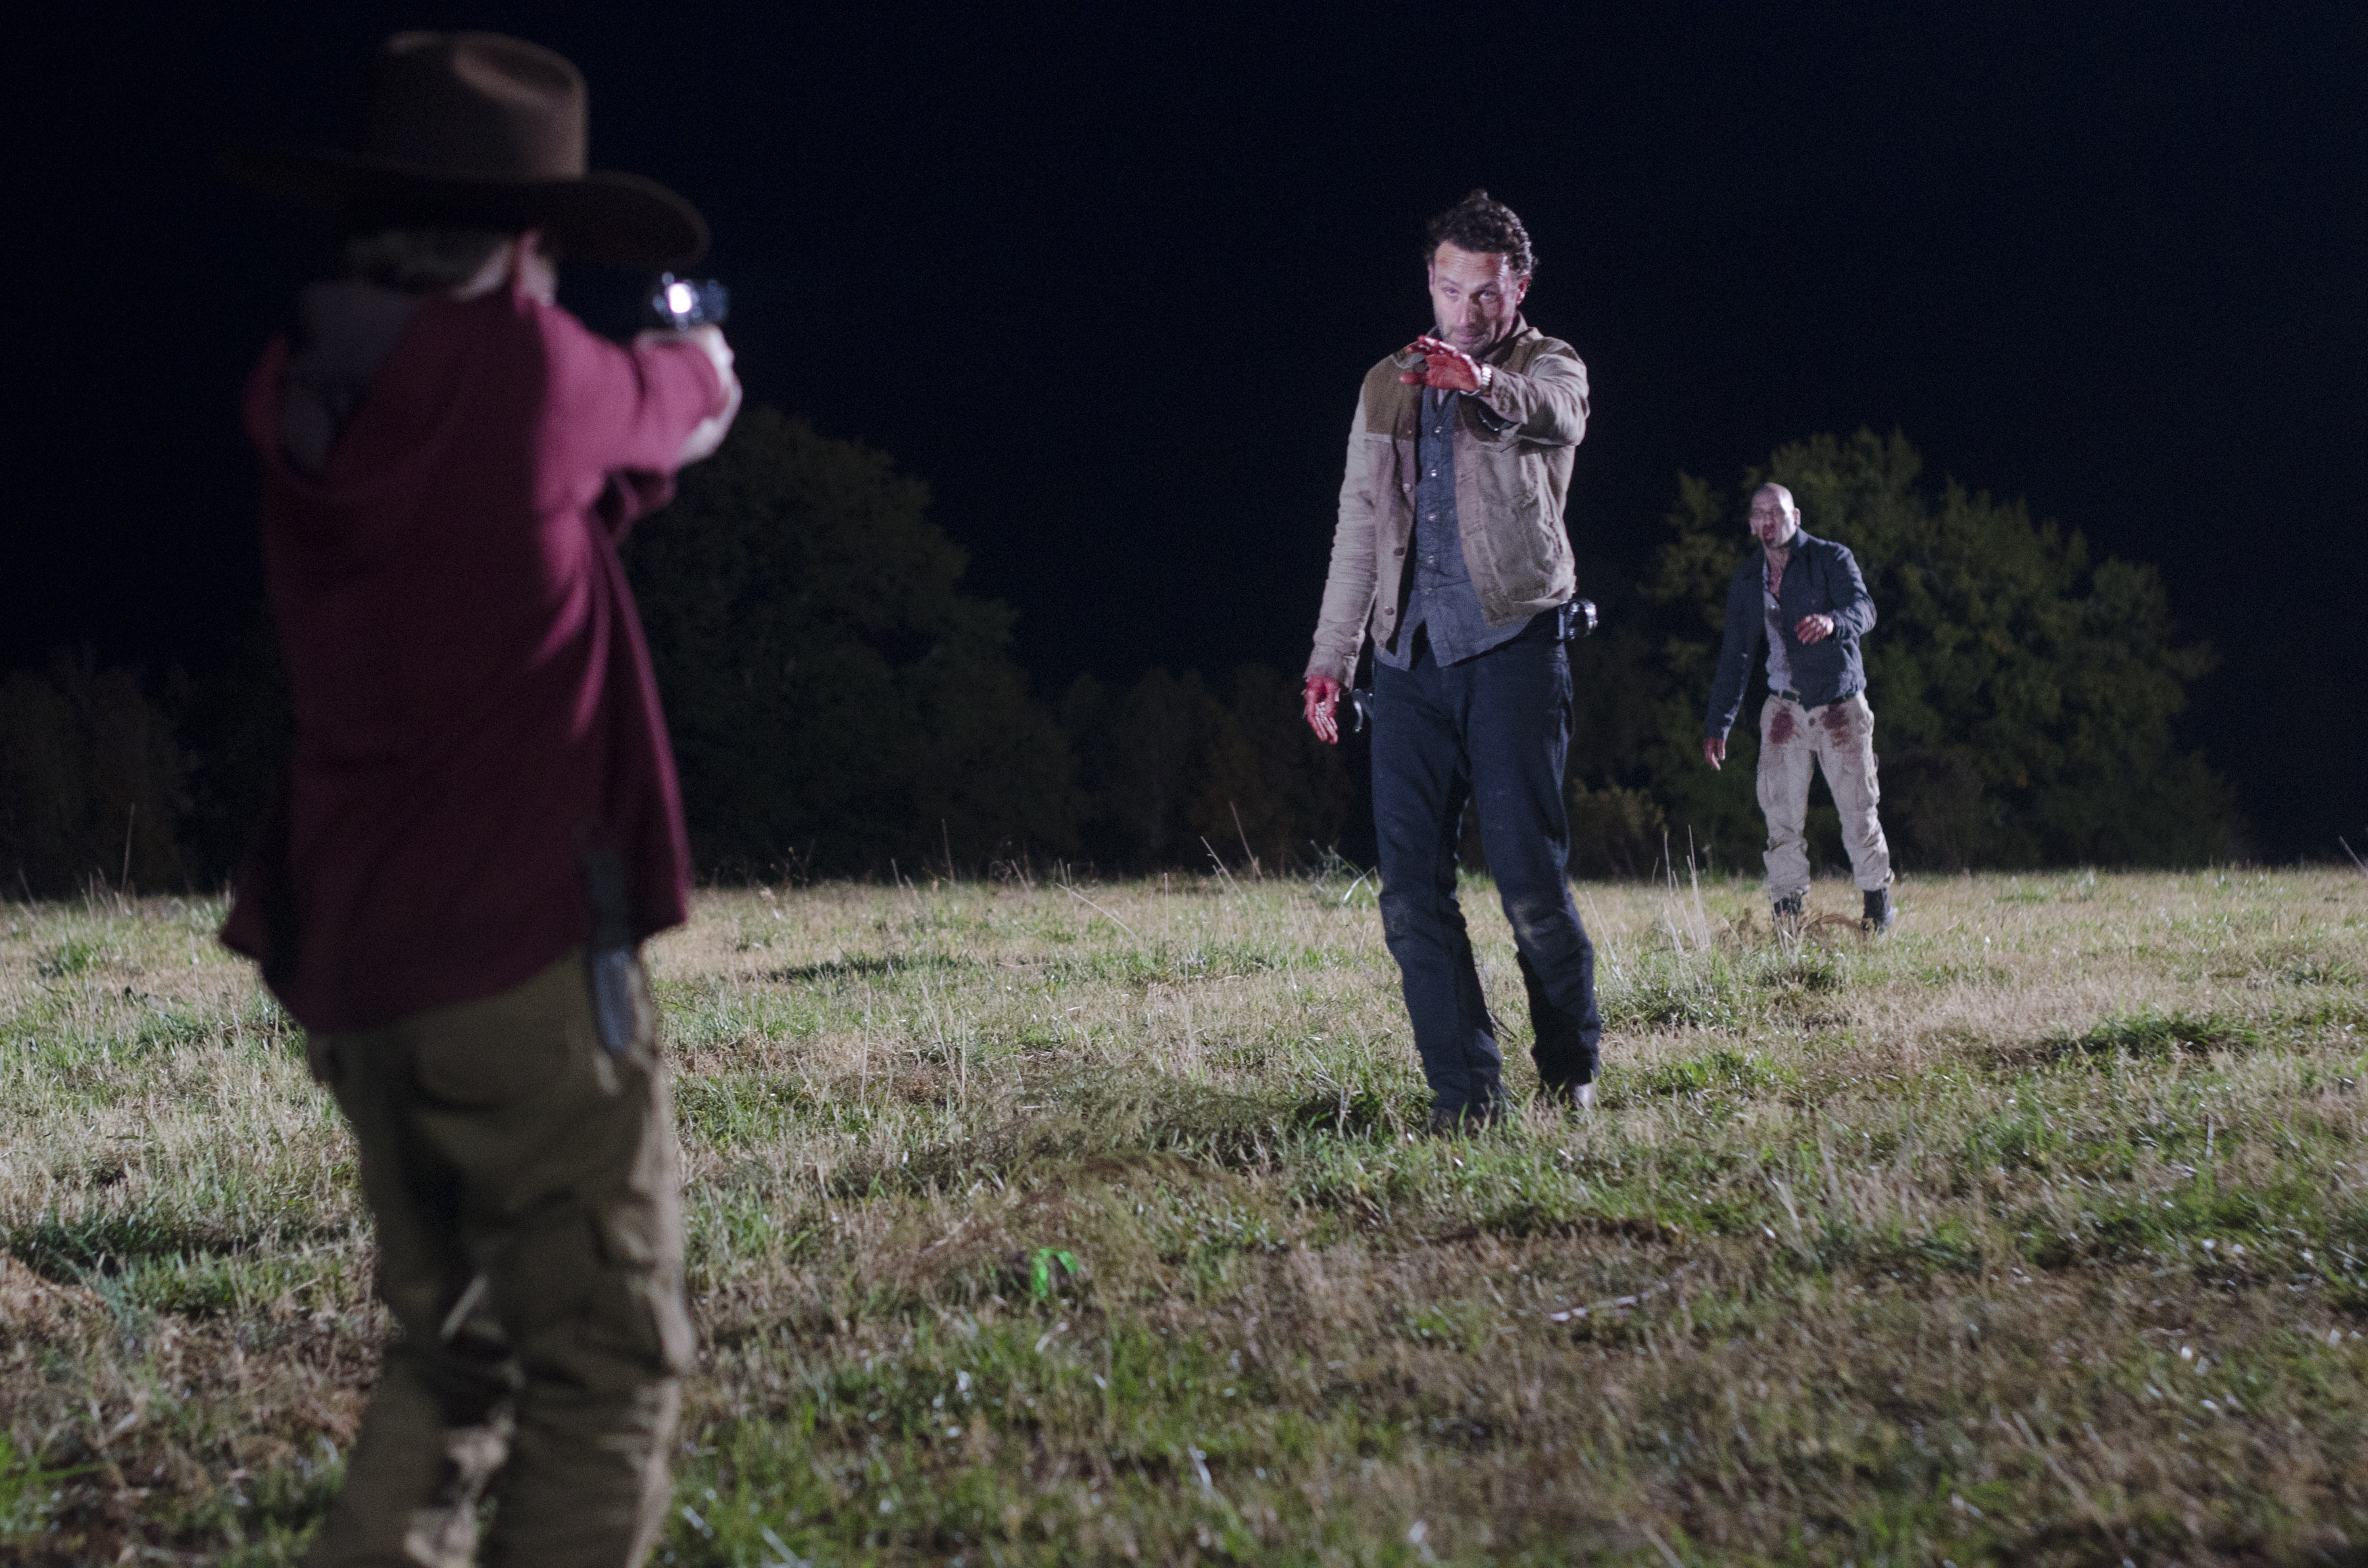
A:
[(70, 1251), (2161, 1036), (1730, 1070), (870, 968), (2157, 1037), (2284, 1224), (138, 1265), (1130, 1119)]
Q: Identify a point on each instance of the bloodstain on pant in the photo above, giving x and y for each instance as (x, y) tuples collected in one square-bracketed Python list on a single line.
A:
[(1838, 739)]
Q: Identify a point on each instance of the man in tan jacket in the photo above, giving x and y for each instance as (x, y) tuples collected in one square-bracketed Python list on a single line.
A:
[(1451, 554)]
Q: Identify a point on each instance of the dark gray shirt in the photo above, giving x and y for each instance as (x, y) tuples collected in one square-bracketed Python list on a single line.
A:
[(1440, 600)]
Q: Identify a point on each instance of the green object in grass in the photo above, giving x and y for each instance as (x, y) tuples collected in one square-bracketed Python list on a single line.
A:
[(1047, 1268)]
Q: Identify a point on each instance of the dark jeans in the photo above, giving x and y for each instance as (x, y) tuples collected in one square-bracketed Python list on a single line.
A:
[(1492, 730)]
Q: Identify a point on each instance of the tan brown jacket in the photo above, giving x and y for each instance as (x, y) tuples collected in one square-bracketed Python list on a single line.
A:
[(1511, 476)]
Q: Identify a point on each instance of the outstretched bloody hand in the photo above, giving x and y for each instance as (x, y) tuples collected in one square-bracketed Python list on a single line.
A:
[(1446, 367), (1323, 698)]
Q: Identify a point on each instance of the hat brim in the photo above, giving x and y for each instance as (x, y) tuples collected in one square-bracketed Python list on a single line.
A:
[(620, 219)]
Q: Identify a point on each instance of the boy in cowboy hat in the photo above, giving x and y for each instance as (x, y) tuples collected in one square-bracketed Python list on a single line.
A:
[(481, 815)]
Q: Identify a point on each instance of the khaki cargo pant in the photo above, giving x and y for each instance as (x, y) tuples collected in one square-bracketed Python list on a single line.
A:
[(1839, 738), (526, 1187)]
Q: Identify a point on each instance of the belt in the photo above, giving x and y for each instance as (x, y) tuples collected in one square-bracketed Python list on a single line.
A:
[(1794, 697)]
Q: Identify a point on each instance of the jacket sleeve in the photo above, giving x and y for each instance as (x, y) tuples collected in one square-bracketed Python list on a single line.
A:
[(615, 416), (1348, 583), (1853, 610), (1547, 404), (1745, 627)]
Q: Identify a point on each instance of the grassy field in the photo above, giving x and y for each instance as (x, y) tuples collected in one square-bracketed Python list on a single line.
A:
[(1032, 1224)]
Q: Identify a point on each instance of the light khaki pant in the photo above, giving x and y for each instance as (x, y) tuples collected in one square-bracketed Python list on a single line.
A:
[(1839, 738), (526, 1187)]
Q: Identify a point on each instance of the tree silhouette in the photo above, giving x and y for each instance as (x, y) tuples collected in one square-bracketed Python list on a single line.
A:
[(836, 700)]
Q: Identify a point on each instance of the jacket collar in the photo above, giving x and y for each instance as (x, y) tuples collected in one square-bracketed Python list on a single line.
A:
[(1522, 334), (1754, 564)]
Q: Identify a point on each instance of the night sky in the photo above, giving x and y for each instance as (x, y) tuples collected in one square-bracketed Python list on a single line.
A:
[(1108, 285)]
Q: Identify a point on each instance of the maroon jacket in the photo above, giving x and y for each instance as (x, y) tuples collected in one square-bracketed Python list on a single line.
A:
[(473, 699)]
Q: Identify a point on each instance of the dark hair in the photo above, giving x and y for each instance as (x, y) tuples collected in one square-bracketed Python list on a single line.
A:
[(420, 261), (1484, 225)]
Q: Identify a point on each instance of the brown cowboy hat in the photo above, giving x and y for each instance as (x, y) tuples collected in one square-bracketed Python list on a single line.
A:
[(479, 130)]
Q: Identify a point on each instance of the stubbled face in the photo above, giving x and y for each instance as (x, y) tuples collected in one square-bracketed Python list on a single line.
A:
[(1773, 520), (1474, 296)]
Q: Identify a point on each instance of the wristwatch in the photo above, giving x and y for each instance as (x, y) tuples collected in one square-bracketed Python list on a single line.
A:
[(1487, 380)]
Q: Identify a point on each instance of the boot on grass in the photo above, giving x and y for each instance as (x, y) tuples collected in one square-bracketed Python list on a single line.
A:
[(1881, 915), (1571, 1098), (1461, 1120)]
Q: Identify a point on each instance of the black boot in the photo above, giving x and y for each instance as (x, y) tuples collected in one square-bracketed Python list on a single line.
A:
[(1881, 915), (1473, 1118), (1787, 908), (1572, 1099)]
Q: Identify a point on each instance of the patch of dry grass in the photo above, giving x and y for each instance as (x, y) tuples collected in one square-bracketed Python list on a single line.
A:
[(1036, 1225)]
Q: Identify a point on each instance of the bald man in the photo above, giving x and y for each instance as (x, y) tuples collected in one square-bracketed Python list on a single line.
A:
[(1804, 598)]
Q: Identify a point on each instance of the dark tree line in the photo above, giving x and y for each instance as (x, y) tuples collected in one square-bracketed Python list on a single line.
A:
[(840, 706), (836, 700)]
